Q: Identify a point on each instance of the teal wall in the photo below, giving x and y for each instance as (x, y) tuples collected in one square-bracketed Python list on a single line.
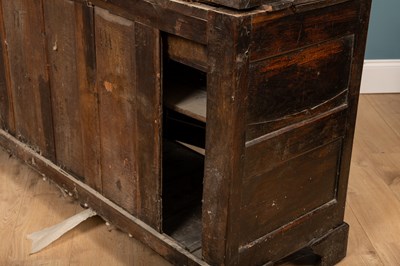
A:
[(384, 30)]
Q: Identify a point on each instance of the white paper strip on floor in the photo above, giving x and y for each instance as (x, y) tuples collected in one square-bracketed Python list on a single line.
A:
[(45, 237)]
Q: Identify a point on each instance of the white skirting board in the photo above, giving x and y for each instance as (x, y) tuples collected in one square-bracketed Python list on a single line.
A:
[(381, 76)]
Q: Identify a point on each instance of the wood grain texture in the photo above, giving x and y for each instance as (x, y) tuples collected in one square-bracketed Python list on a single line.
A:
[(226, 104), (263, 155), (6, 105), (187, 52), (177, 17), (62, 54), (288, 191), (129, 86), (148, 123), (115, 58), (88, 94), (24, 27)]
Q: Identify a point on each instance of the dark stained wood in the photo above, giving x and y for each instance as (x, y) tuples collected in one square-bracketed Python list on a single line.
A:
[(23, 20), (148, 123), (289, 190), (6, 105), (187, 100), (128, 80), (115, 57), (291, 31), (88, 95), (62, 53), (187, 52), (225, 135), (266, 153), (298, 85)]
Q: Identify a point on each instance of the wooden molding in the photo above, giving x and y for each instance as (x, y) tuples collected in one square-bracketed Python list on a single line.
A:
[(381, 76)]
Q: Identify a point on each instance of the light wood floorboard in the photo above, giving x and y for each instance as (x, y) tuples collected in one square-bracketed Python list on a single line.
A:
[(28, 204)]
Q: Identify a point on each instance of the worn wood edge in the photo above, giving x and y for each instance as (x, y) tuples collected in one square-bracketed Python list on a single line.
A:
[(109, 211), (295, 125), (243, 248)]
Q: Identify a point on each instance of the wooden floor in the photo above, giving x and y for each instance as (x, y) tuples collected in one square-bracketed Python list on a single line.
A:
[(28, 204)]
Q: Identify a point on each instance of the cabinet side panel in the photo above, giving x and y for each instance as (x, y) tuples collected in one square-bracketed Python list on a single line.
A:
[(61, 49), (115, 53), (227, 88), (24, 29)]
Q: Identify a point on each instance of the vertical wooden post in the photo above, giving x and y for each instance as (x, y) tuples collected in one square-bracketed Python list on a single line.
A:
[(6, 107), (354, 92), (228, 44)]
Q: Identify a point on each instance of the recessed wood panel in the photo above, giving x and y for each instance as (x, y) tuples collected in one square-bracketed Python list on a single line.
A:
[(298, 85), (290, 190)]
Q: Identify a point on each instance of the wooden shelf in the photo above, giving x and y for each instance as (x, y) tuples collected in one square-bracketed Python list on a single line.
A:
[(188, 101)]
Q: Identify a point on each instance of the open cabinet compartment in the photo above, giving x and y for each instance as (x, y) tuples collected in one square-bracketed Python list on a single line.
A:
[(185, 97)]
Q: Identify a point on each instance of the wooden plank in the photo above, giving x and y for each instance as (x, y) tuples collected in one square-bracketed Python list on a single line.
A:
[(188, 101), (23, 21), (187, 52), (12, 191), (62, 53), (148, 124), (360, 249), (6, 106), (298, 85), (89, 109), (115, 55), (373, 215), (227, 90), (54, 207), (108, 210)]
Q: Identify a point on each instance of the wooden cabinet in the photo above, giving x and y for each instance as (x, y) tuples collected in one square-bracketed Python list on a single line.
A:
[(213, 135)]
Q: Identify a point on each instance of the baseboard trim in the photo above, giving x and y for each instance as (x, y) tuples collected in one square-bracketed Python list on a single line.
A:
[(381, 76)]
